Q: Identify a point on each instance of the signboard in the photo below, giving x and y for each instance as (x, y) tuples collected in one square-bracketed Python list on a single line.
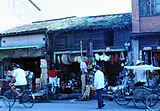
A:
[(147, 48)]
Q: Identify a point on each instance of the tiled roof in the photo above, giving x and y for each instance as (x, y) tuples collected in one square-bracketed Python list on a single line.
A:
[(112, 21)]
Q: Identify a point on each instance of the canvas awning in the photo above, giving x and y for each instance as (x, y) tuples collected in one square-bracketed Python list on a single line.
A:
[(22, 47)]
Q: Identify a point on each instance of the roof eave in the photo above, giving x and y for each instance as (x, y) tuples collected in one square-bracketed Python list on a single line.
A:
[(39, 31)]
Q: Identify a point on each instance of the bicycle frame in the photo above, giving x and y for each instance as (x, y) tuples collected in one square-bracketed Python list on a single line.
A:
[(27, 97)]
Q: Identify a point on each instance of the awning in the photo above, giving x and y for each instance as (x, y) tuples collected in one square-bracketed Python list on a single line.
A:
[(22, 47)]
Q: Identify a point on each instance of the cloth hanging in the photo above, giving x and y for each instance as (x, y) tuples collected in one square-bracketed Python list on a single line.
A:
[(145, 56), (116, 59), (122, 58), (112, 59), (97, 56)]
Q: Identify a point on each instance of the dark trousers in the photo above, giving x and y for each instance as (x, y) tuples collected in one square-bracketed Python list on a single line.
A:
[(99, 98)]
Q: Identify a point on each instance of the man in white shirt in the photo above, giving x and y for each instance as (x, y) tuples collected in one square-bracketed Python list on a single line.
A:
[(19, 77), (140, 77), (99, 85)]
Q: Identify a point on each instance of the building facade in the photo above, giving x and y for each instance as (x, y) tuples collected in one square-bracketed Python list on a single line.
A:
[(146, 30), (39, 45)]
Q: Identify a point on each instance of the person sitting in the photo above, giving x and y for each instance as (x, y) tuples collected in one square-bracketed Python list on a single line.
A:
[(54, 80), (140, 78)]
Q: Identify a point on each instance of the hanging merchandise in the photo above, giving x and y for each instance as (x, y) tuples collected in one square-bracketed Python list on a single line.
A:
[(112, 59), (71, 57), (97, 57), (89, 64), (76, 59), (116, 59), (108, 58), (104, 57), (122, 58), (93, 62), (87, 49), (145, 56), (101, 57), (58, 59), (65, 59), (79, 58), (127, 61), (158, 57), (91, 49)]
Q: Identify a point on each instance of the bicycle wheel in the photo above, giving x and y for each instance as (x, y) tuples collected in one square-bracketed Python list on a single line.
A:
[(121, 98), (139, 98), (152, 102), (10, 95), (4, 104), (28, 99)]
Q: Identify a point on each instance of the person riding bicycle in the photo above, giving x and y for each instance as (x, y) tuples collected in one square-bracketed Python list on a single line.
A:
[(140, 78), (18, 79)]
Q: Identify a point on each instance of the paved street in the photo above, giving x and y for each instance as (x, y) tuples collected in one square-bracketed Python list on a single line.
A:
[(72, 105)]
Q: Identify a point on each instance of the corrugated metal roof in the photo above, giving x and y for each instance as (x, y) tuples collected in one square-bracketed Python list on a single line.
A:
[(112, 21)]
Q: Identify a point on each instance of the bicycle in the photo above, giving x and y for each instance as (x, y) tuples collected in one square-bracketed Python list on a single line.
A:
[(152, 101), (4, 104), (27, 98), (129, 92)]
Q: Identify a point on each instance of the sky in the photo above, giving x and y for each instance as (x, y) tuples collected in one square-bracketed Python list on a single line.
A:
[(18, 12)]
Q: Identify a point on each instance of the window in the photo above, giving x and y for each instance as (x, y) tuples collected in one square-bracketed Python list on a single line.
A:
[(157, 6), (149, 7)]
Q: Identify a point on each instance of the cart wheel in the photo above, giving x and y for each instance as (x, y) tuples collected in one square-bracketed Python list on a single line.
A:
[(10, 95), (28, 99), (121, 98), (152, 102), (139, 98), (4, 104)]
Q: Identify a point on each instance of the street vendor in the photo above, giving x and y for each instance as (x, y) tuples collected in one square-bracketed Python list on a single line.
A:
[(140, 78)]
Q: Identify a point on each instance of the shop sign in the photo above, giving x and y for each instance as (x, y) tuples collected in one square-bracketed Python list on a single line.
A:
[(147, 48), (43, 63)]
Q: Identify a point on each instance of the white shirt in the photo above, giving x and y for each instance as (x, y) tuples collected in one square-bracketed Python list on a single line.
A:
[(140, 76), (20, 77), (99, 80)]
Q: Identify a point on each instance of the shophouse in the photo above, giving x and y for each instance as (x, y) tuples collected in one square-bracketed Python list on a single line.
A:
[(103, 39)]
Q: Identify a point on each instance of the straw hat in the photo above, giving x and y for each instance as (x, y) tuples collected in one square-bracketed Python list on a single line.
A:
[(58, 59), (71, 57), (139, 62), (65, 60)]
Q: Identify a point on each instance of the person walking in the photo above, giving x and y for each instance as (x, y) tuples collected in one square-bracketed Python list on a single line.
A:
[(99, 85)]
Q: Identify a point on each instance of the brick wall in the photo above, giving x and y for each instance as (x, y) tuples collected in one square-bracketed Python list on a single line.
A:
[(135, 16), (151, 24), (143, 24)]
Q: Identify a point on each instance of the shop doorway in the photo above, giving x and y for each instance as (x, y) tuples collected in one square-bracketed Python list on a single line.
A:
[(29, 64)]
